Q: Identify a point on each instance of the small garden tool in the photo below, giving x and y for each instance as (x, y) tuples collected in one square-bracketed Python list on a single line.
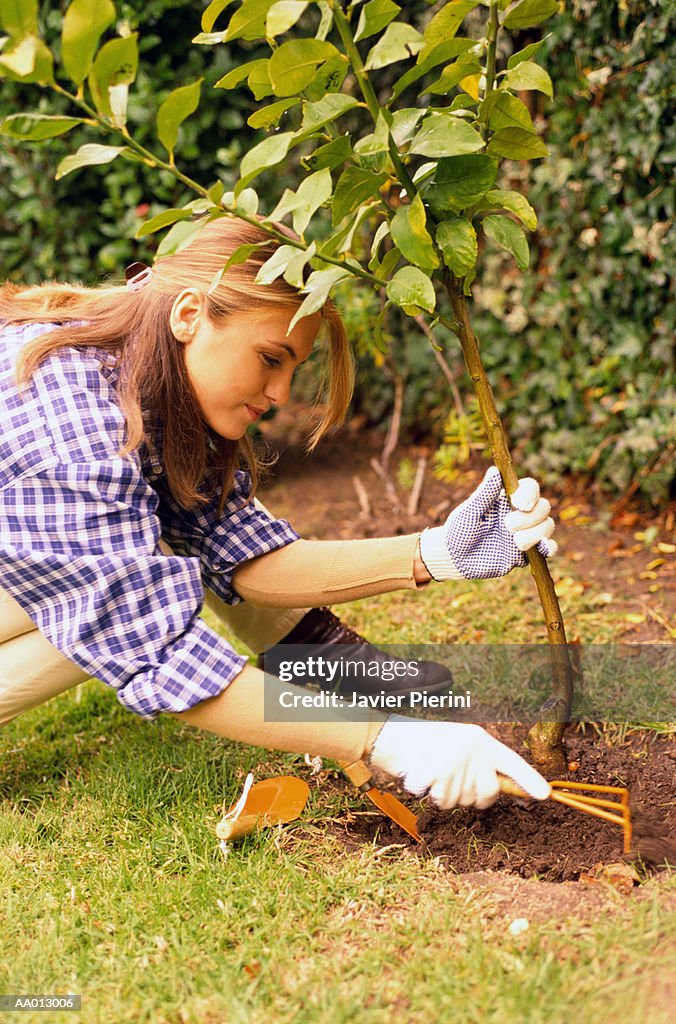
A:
[(359, 774), (615, 811), (269, 802), (610, 810)]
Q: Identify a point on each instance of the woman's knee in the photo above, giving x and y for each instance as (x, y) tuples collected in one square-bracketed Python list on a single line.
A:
[(32, 671)]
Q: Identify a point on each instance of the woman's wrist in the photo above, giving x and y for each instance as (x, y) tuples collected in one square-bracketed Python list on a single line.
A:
[(420, 573)]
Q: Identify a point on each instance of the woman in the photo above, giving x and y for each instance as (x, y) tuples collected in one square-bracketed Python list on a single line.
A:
[(124, 414)]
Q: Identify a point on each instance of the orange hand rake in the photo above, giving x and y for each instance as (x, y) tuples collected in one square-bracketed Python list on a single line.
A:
[(610, 810)]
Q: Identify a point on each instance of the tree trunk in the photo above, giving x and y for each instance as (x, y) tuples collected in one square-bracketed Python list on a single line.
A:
[(545, 739)]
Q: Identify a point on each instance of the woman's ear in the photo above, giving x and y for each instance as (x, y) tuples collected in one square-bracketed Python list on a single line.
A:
[(186, 313)]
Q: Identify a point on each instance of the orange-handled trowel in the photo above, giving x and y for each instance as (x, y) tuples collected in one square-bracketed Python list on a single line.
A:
[(360, 776), (269, 802)]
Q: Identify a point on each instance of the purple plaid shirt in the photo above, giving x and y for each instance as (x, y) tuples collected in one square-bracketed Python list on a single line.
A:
[(80, 529)]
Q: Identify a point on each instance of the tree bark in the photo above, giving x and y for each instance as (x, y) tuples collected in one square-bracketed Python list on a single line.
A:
[(545, 739)]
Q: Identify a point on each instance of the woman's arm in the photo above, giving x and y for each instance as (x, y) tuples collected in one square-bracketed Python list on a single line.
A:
[(247, 711), (454, 763), (484, 537), (318, 572)]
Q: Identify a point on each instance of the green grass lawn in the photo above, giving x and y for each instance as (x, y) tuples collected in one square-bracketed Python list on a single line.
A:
[(114, 886)]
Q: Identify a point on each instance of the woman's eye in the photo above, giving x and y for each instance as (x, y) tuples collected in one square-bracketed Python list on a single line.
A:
[(270, 360)]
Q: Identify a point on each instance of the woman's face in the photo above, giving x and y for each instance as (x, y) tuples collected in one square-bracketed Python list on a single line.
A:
[(240, 368)]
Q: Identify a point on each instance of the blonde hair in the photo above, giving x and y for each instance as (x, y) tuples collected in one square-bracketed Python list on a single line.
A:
[(153, 378)]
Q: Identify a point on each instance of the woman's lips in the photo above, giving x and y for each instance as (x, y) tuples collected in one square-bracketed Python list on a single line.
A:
[(254, 413)]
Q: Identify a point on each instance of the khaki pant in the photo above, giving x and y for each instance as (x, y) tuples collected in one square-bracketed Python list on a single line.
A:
[(32, 670)]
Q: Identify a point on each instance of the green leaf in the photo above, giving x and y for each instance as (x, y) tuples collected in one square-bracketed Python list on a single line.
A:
[(88, 155), (318, 287), (312, 193), (341, 241), (446, 23), (386, 266), (179, 105), (19, 18), (276, 265), (377, 337), (354, 187), (453, 74), (530, 12), (528, 75), (411, 289), (249, 21), (282, 16), (457, 241), (208, 38), (36, 127), (294, 273), (247, 202), (463, 101), (329, 77), (502, 110), (527, 52), (382, 232), (215, 193), (326, 20), (239, 256), (409, 233), (445, 135), (404, 124), (439, 54), (332, 155), (373, 149), (162, 220), (374, 16), (517, 144), (325, 111), (212, 12), (293, 64), (115, 64), (238, 74), (269, 117), (259, 80), (242, 253), (29, 60), (510, 236), (512, 201), (266, 154), (425, 172), (460, 181), (400, 42), (83, 25), (179, 235)]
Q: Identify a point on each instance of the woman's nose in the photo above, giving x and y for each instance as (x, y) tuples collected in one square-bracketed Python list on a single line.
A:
[(278, 390)]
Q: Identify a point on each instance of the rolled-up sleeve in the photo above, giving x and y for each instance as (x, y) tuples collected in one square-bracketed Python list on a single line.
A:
[(84, 563), (79, 544), (223, 540)]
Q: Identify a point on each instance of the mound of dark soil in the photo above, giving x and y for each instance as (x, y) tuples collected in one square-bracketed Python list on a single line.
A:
[(550, 840)]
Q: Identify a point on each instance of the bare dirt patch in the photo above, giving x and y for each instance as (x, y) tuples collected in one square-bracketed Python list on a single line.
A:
[(624, 552), (627, 553), (547, 840)]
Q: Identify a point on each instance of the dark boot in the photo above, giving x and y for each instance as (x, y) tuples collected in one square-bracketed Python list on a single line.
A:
[(321, 634)]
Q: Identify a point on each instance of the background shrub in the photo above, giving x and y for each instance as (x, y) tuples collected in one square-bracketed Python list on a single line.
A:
[(579, 349)]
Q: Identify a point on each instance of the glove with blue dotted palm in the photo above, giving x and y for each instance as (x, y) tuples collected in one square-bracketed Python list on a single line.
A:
[(486, 536)]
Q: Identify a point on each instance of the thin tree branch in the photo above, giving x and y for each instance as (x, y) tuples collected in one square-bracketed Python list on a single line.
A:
[(445, 368)]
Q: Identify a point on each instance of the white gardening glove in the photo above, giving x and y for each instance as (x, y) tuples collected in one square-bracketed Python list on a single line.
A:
[(454, 764), (484, 538)]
